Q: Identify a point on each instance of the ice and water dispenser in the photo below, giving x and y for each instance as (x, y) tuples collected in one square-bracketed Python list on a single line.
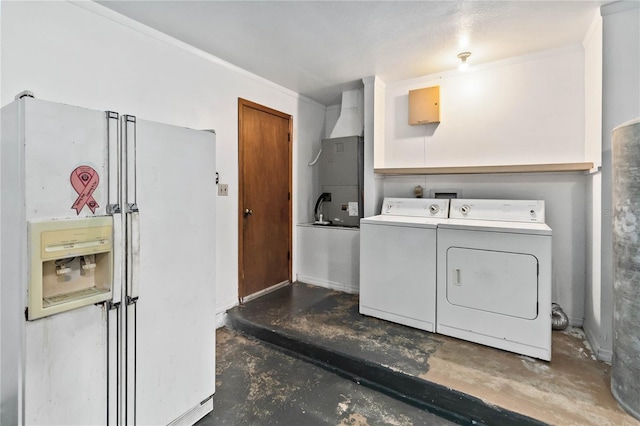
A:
[(71, 264)]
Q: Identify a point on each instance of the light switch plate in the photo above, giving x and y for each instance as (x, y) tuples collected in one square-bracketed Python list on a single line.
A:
[(223, 189)]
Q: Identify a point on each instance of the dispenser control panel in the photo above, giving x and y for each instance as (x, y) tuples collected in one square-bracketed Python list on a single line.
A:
[(71, 264)]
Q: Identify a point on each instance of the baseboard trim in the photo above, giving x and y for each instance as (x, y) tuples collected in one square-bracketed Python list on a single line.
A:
[(221, 312), (221, 317), (347, 288), (265, 291), (602, 354), (576, 322)]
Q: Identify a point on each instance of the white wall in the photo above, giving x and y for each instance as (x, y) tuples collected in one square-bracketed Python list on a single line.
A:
[(0, 205), (87, 55), (374, 125), (620, 103), (593, 152), (593, 92), (522, 110), (329, 257), (564, 196)]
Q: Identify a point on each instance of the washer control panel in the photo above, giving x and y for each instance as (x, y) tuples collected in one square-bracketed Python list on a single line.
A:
[(417, 207), (503, 210)]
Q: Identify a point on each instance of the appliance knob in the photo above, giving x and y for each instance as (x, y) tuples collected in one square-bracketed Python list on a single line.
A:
[(434, 208), (465, 209), (533, 212)]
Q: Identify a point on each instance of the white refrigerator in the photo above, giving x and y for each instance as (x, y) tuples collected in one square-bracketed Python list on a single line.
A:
[(108, 268)]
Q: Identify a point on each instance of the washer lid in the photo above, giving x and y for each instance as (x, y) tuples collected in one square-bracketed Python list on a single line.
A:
[(406, 221), (417, 207), (496, 226)]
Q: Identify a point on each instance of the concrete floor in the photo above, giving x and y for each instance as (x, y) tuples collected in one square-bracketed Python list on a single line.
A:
[(259, 385), (572, 389)]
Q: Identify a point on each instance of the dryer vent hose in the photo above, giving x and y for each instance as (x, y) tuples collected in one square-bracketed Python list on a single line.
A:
[(559, 320)]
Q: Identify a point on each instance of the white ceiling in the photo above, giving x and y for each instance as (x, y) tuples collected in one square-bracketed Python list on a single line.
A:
[(319, 48)]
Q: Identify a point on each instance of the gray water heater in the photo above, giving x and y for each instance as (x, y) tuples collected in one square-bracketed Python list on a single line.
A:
[(625, 366), (341, 176)]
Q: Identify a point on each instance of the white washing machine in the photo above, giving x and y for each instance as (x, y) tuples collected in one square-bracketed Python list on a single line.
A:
[(398, 261), (494, 275)]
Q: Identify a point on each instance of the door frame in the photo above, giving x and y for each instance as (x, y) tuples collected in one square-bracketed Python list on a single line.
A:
[(246, 103)]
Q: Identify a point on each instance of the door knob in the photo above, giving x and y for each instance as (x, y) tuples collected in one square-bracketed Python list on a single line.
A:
[(248, 212)]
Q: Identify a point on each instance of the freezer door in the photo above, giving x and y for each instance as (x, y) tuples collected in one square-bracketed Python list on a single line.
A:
[(65, 369), (65, 161), (171, 293), (60, 170)]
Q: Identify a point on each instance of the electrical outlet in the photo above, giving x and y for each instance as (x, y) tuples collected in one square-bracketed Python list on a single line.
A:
[(223, 189)]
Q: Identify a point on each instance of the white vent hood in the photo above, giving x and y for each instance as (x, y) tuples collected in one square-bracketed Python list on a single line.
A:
[(351, 120)]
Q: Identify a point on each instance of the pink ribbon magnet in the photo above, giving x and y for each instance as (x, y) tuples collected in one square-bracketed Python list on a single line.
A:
[(84, 180)]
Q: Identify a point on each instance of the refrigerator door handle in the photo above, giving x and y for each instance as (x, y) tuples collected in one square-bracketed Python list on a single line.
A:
[(118, 264), (133, 256), (114, 160), (129, 154), (130, 373), (114, 192)]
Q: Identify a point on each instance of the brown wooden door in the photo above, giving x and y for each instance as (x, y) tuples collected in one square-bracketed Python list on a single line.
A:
[(264, 141)]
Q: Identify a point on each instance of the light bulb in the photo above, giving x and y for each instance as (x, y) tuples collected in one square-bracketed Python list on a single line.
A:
[(464, 65)]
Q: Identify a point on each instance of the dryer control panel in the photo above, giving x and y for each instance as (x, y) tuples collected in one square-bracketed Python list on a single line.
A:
[(531, 211)]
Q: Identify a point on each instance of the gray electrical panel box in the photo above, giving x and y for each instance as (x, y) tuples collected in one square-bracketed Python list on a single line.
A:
[(341, 175)]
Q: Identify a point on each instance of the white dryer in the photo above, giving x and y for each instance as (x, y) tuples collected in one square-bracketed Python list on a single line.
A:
[(494, 275), (398, 261)]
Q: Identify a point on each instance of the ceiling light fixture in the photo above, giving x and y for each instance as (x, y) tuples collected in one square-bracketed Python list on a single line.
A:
[(464, 65)]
